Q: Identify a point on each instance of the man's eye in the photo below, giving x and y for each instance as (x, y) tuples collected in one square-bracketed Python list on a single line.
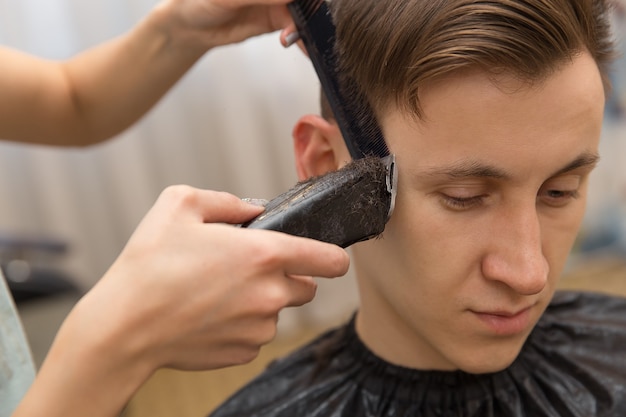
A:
[(560, 191), (461, 203), (558, 198)]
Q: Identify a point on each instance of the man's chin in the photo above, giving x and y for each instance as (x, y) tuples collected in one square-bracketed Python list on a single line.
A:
[(488, 368), (490, 360)]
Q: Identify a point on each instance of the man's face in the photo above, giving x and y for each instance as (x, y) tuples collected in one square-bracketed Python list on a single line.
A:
[(492, 189)]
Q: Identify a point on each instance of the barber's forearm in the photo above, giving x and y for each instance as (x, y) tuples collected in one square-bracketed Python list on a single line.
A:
[(99, 92), (102, 91), (115, 84), (85, 375)]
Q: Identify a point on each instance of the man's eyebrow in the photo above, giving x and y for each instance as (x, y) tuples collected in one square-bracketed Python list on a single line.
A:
[(476, 169), (468, 169), (584, 160)]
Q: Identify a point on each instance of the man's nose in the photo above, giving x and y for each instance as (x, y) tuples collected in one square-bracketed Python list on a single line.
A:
[(515, 255)]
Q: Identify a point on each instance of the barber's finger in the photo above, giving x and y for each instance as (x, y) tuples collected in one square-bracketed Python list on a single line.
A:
[(289, 36), (223, 207), (302, 290), (256, 201), (302, 256), (240, 3), (206, 205)]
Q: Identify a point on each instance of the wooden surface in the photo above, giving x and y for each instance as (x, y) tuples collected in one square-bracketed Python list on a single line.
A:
[(184, 394)]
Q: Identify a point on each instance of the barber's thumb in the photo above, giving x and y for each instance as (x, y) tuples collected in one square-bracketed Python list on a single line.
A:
[(220, 207), (247, 209), (259, 202), (250, 208)]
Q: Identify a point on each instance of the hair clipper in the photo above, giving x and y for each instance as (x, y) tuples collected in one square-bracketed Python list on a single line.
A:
[(342, 207)]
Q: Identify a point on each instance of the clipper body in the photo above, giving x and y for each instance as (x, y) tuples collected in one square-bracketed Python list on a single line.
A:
[(342, 207)]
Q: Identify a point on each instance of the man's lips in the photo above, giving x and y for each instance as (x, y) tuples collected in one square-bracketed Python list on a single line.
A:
[(504, 322)]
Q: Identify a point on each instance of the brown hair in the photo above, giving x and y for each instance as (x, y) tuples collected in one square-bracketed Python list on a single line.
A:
[(389, 48)]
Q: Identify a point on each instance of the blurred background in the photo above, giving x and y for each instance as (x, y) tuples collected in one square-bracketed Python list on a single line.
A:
[(65, 214), (604, 230)]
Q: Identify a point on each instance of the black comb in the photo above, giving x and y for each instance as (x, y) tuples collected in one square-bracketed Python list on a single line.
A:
[(355, 117)]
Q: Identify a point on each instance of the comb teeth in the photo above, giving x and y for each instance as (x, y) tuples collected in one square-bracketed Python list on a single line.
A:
[(355, 118), (307, 8)]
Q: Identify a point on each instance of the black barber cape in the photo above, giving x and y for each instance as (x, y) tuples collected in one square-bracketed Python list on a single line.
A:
[(572, 364)]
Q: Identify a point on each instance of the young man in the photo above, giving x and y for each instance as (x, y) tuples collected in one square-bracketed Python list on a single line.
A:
[(493, 111)]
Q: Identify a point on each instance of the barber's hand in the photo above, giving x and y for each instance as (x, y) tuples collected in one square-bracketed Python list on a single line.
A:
[(191, 294), (186, 292), (221, 22)]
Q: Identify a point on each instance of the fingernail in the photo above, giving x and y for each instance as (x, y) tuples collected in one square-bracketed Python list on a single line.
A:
[(292, 38), (255, 201)]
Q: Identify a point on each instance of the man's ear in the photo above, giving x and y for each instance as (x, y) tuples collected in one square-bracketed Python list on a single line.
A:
[(319, 147)]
